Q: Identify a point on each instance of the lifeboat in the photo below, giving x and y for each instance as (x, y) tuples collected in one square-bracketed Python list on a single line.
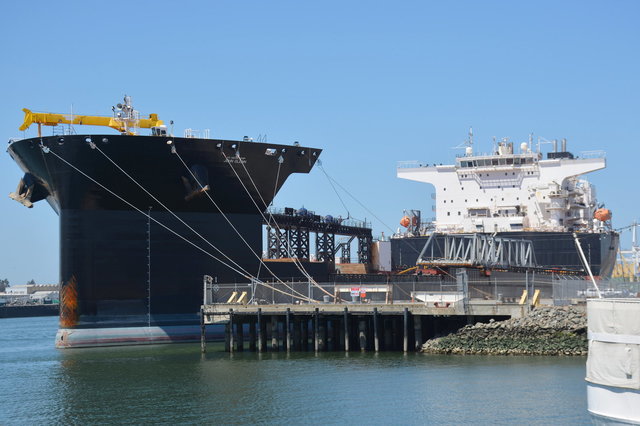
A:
[(602, 215)]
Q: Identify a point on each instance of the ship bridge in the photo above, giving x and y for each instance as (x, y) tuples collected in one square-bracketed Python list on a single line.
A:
[(508, 191)]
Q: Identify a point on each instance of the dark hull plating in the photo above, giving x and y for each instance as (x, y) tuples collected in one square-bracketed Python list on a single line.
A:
[(553, 250), (120, 268)]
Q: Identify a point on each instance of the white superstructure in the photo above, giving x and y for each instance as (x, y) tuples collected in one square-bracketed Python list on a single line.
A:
[(509, 191)]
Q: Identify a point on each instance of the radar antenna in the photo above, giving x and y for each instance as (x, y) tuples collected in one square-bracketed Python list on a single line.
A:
[(467, 145)]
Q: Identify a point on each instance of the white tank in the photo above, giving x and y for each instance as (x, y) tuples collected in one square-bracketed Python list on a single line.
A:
[(468, 151), (523, 147)]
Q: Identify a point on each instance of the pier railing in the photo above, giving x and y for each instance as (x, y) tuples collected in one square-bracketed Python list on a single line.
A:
[(465, 284), (568, 290), (458, 288)]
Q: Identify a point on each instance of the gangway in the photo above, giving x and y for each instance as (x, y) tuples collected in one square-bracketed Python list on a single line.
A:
[(477, 250)]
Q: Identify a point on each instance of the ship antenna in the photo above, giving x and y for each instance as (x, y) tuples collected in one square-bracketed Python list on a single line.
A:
[(468, 143)]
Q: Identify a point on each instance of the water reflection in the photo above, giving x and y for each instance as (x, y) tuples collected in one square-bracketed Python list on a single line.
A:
[(178, 384)]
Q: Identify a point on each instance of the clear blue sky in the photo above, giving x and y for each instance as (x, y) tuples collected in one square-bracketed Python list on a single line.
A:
[(371, 83)]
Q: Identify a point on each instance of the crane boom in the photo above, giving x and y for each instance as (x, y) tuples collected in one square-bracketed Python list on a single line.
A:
[(123, 125)]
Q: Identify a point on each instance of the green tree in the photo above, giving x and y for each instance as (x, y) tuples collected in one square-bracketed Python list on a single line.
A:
[(4, 283), (31, 281)]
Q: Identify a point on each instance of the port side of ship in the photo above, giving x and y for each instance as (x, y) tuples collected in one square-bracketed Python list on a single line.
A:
[(520, 195), (139, 229)]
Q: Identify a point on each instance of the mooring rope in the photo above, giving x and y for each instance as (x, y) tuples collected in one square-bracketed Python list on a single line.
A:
[(332, 180), (239, 271), (271, 221), (168, 209), (295, 261), (262, 263)]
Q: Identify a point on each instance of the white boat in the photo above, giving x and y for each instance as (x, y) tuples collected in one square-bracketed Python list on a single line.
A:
[(613, 365)]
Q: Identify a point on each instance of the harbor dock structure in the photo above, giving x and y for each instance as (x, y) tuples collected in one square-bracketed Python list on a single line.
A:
[(344, 326), (375, 312)]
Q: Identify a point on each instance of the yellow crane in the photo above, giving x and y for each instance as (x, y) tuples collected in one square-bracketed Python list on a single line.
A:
[(124, 120)]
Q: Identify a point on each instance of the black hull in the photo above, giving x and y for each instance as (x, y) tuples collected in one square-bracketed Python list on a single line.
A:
[(119, 265), (553, 250)]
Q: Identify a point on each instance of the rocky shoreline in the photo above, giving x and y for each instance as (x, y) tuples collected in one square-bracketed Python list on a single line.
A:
[(545, 331)]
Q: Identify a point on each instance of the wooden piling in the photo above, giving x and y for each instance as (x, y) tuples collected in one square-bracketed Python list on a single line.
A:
[(260, 335), (287, 332), (376, 339), (231, 337), (346, 329), (405, 342), (316, 331), (203, 333)]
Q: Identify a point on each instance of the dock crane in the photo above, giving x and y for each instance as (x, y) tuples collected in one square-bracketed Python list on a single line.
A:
[(125, 120)]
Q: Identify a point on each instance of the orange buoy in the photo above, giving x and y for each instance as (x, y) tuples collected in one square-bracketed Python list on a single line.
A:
[(405, 221), (602, 215)]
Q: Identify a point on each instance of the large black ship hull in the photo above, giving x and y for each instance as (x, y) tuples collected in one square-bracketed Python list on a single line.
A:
[(132, 264), (553, 250)]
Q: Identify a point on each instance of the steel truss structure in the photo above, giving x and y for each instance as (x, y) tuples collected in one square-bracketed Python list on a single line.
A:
[(288, 235), (478, 250)]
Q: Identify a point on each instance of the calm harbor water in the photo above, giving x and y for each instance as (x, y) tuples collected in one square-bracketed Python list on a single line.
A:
[(169, 384)]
